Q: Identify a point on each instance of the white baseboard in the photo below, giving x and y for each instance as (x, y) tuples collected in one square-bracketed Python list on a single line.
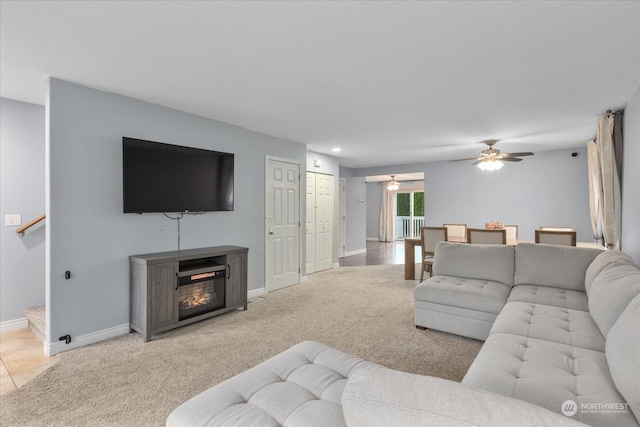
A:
[(336, 265), (304, 279), (356, 252), (263, 291), (373, 239), (255, 293), (11, 325), (82, 340)]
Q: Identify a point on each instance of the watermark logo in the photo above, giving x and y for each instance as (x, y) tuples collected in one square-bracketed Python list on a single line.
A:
[(569, 408)]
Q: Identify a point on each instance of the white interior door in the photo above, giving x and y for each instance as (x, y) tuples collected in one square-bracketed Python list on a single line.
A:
[(324, 222), (342, 219), (310, 263), (319, 223), (282, 224)]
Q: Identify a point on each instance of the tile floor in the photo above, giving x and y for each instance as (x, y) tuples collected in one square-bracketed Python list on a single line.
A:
[(21, 359)]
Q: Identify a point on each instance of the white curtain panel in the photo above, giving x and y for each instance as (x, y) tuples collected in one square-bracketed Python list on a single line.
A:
[(386, 228), (595, 190), (610, 182)]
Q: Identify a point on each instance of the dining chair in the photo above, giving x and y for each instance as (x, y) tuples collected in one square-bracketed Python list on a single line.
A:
[(456, 232), (487, 237), (512, 232), (430, 237), (551, 237), (547, 228)]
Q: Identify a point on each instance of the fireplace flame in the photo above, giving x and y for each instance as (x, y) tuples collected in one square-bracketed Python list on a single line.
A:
[(197, 298)]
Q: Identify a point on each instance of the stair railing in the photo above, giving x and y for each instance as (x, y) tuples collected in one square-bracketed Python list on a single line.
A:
[(27, 226)]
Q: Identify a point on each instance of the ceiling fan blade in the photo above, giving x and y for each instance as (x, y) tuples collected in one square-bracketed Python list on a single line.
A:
[(527, 153), (470, 158), (493, 154)]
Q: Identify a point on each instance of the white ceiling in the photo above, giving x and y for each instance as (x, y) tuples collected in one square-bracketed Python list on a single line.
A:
[(400, 177), (388, 82)]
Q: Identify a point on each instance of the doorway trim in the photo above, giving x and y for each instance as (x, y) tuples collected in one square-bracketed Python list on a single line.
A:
[(342, 220)]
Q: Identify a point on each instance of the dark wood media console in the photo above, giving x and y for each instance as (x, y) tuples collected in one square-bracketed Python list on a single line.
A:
[(172, 289)]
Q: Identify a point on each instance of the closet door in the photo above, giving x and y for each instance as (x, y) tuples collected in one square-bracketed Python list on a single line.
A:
[(324, 222), (311, 223), (319, 224)]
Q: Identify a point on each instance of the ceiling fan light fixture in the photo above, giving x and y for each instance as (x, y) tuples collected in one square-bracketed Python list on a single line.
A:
[(490, 165), (393, 184), (491, 158)]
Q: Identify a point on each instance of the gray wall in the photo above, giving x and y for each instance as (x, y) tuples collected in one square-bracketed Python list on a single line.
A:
[(22, 177), (328, 166), (549, 188), (374, 200), (630, 239), (88, 234), (355, 211)]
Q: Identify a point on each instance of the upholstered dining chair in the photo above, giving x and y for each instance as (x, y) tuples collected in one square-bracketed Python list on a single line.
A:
[(487, 237), (512, 232), (547, 228), (456, 232), (551, 237), (430, 237)]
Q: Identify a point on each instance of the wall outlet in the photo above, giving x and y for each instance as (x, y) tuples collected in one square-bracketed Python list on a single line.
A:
[(13, 220)]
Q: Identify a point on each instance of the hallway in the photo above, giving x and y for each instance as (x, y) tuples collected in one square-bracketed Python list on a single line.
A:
[(379, 253)]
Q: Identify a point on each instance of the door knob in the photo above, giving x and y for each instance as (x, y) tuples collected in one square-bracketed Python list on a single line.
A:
[(272, 232)]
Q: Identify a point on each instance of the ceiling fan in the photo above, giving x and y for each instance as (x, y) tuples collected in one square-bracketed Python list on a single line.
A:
[(491, 159)]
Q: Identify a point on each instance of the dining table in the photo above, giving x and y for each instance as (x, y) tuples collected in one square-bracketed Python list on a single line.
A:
[(411, 244)]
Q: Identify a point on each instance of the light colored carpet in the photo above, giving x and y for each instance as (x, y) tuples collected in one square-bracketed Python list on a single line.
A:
[(364, 311)]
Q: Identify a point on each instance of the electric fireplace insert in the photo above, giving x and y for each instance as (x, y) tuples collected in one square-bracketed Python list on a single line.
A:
[(200, 291)]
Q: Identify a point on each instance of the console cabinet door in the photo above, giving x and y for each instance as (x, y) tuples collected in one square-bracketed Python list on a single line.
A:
[(164, 299), (236, 288)]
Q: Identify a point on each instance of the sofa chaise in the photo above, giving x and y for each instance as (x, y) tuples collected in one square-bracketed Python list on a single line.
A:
[(562, 336)]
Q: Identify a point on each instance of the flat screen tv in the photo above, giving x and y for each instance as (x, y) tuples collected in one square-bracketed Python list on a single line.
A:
[(160, 177)]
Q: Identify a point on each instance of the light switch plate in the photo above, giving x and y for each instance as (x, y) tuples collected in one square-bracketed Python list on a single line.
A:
[(13, 220)]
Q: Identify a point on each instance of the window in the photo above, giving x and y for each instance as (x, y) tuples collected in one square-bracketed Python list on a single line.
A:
[(409, 214)]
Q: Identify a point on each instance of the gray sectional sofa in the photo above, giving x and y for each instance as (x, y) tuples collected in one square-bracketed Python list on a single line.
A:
[(561, 324), (562, 330)]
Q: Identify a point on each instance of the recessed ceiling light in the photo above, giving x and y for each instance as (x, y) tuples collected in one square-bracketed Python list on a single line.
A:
[(336, 149)]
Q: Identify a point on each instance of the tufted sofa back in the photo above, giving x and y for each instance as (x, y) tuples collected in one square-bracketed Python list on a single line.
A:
[(556, 266), (602, 261), (486, 262), (612, 288)]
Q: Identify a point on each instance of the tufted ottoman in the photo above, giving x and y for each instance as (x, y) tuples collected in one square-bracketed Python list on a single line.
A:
[(470, 287), (301, 386)]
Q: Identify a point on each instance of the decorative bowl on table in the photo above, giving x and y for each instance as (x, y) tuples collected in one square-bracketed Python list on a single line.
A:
[(494, 225)]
